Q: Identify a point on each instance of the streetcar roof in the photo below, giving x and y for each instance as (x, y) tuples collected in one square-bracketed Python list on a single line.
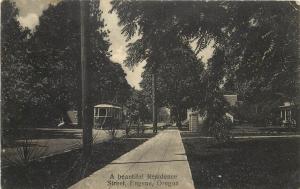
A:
[(106, 106)]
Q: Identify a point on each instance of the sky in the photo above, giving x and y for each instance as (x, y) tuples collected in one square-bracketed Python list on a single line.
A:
[(30, 10)]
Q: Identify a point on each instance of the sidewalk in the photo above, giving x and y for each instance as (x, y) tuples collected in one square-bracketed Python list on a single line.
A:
[(158, 163)]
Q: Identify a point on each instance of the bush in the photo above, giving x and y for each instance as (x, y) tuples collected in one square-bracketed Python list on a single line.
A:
[(220, 129), (26, 150)]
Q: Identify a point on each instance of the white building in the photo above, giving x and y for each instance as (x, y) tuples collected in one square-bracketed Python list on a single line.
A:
[(287, 113)]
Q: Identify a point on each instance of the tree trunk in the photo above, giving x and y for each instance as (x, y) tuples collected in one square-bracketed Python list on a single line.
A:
[(79, 115), (154, 108), (138, 126), (87, 113), (178, 117)]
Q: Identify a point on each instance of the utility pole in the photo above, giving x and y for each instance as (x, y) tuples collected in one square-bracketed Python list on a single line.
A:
[(297, 103), (154, 109), (85, 105)]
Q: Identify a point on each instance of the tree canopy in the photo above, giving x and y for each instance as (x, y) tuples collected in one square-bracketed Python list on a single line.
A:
[(15, 70), (262, 49), (178, 78), (46, 63), (258, 40)]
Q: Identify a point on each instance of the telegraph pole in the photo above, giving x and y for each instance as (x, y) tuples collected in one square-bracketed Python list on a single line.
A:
[(298, 95), (297, 101), (85, 105), (154, 104)]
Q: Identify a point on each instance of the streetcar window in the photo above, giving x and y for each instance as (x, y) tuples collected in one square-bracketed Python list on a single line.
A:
[(102, 112), (109, 112)]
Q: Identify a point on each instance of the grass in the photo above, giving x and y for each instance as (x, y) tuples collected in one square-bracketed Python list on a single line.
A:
[(141, 135), (63, 170), (255, 163)]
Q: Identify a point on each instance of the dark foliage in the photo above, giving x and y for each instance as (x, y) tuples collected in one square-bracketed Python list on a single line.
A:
[(41, 71)]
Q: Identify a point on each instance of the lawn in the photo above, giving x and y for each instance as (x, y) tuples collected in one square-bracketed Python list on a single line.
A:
[(61, 171), (244, 163)]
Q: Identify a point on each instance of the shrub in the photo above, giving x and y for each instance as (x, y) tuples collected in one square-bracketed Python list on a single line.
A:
[(220, 129)]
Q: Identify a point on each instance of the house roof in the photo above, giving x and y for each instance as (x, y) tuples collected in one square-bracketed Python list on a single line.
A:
[(231, 99), (106, 106), (287, 105)]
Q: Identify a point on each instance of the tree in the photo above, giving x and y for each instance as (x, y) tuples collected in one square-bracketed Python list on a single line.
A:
[(70, 55), (215, 104), (259, 39), (15, 70), (114, 87), (267, 47), (55, 56), (179, 84), (263, 60), (156, 23), (142, 49), (138, 109)]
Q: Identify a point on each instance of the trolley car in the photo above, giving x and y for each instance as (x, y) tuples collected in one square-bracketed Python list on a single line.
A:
[(107, 116)]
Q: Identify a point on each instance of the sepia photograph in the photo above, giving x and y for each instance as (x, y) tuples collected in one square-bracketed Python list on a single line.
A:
[(150, 94)]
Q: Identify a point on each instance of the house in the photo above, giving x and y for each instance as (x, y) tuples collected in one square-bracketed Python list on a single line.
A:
[(195, 120), (287, 113), (231, 99), (70, 118)]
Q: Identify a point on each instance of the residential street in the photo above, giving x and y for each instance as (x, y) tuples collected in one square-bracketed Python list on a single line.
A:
[(150, 94)]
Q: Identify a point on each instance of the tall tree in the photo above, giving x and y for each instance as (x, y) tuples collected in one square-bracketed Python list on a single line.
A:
[(154, 22), (55, 56), (137, 50), (259, 39), (179, 84), (265, 55), (114, 87), (137, 106), (213, 80), (15, 70), (263, 60)]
